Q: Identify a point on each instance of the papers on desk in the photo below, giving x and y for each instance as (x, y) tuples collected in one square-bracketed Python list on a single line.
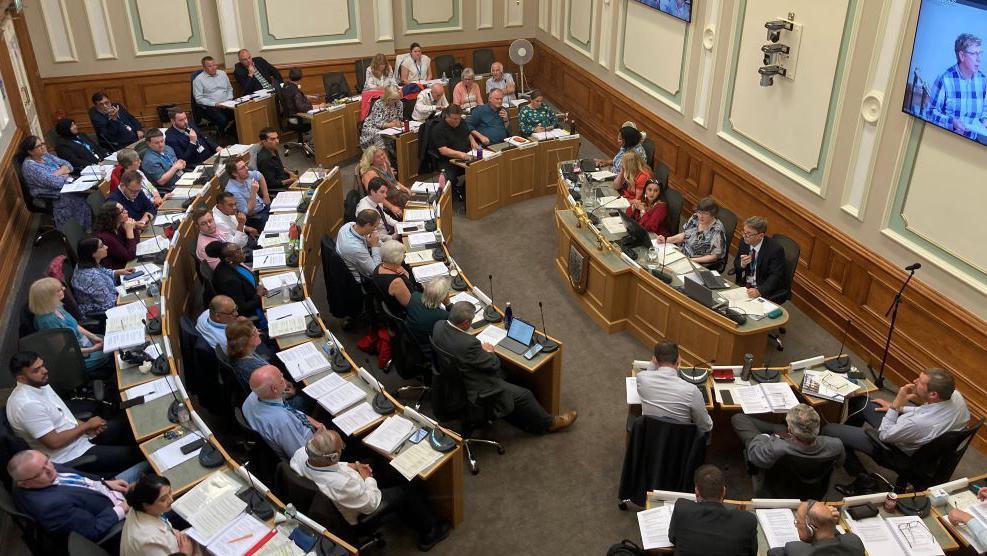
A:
[(417, 215), (152, 245), (245, 535), (630, 383), (420, 240), (463, 296), (299, 308), (271, 257), (210, 507), (827, 385), (124, 311), (267, 240), (550, 134), (280, 223), (405, 228), (235, 150), (164, 386), (654, 527), (778, 525), (285, 325), (491, 335), (79, 185), (280, 280), (152, 272), (602, 175), (182, 193), (769, 397), (428, 272), (286, 201), (111, 157), (613, 224), (415, 258), (171, 455), (413, 125), (613, 202), (124, 327), (518, 102), (391, 131), (424, 187), (304, 360), (308, 178), (389, 436), (334, 393), (165, 219), (356, 418), (895, 535), (415, 459), (520, 142)]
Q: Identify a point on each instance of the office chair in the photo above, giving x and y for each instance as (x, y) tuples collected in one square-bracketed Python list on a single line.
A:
[(335, 85), (795, 477), (406, 355), (483, 58), (443, 66), (292, 122), (261, 456), (94, 321), (343, 293), (227, 376), (72, 234), (67, 373), (201, 370), (729, 221), (38, 204), (95, 201), (81, 546), (932, 464), (450, 402), (363, 536), (792, 252), (10, 444), (360, 67), (673, 219), (37, 539), (649, 152), (660, 455)]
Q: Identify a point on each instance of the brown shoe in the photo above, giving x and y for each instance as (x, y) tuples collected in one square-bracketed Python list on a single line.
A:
[(560, 422)]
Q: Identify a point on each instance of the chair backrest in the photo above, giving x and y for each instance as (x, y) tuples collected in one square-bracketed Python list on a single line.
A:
[(649, 151), (409, 360), (660, 455), (95, 201), (227, 375), (443, 64), (335, 85), (448, 390), (674, 218), (483, 58), (344, 294), (293, 488), (263, 458), (360, 66), (661, 172), (349, 204), (935, 462), (72, 233), (10, 444), (792, 252), (196, 111), (729, 220), (254, 150), (63, 358), (81, 546), (798, 477)]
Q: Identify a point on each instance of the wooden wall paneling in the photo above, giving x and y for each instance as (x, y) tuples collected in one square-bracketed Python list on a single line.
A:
[(522, 175)]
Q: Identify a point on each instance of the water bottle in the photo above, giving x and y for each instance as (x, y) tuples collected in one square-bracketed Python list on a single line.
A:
[(508, 315), (442, 180), (285, 294), (184, 417)]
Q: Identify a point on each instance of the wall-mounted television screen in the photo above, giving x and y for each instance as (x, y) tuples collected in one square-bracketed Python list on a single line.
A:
[(946, 83), (681, 9)]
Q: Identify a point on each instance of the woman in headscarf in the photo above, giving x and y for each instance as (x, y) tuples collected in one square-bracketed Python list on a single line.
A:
[(76, 147)]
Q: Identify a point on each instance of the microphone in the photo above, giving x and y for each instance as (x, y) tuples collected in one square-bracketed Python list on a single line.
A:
[(913, 267), (547, 345), (432, 225), (312, 329), (380, 404), (841, 364), (660, 273), (595, 219), (489, 313), (152, 326), (745, 372), (257, 505)]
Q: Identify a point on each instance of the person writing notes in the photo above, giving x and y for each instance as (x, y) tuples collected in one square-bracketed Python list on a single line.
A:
[(703, 238), (760, 261), (974, 526)]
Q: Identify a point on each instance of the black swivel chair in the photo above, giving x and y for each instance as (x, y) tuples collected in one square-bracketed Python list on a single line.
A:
[(792, 252), (662, 171), (649, 152), (729, 221), (38, 204), (201, 367), (72, 234), (661, 455), (37, 539), (67, 369), (483, 58), (932, 464), (263, 459), (292, 122), (227, 376), (344, 294), (795, 477), (335, 85), (360, 67), (81, 546), (406, 355), (444, 65), (674, 216), (450, 403)]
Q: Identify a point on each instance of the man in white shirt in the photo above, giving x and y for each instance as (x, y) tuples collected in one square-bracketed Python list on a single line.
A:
[(354, 491), (39, 416), (665, 395), (230, 222), (211, 88), (500, 80), (429, 101), (374, 200)]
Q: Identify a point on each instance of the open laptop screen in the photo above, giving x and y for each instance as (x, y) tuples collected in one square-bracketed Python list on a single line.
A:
[(521, 331)]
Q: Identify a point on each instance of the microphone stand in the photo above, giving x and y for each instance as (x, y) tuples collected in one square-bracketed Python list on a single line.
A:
[(893, 311)]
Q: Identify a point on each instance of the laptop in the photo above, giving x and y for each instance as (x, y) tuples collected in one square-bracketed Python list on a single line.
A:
[(703, 295), (519, 336), (709, 279)]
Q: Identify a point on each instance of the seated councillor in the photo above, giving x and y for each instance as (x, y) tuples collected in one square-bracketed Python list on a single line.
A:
[(45, 303), (296, 101), (765, 443), (38, 415), (210, 89), (250, 189), (115, 127), (629, 139), (392, 277), (230, 222), (354, 491), (907, 427), (534, 116), (466, 93), (490, 121), (187, 140), (147, 531), (231, 278), (376, 164), (64, 500), (374, 200), (269, 162), (816, 525), (429, 102), (453, 139), (665, 395), (760, 261), (651, 210), (161, 165), (636, 174), (974, 526), (482, 373), (703, 238), (208, 233), (415, 66), (128, 159), (44, 174), (118, 231), (212, 323), (75, 147), (130, 195), (379, 73), (358, 244), (93, 284), (500, 80), (425, 308), (254, 74), (284, 428), (385, 113), (708, 526)]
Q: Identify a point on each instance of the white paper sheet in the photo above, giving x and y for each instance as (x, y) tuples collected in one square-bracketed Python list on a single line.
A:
[(123, 339), (153, 390), (633, 398), (355, 418), (417, 215), (342, 398), (875, 535), (280, 223), (276, 281), (421, 239), (653, 524), (415, 258), (428, 272), (778, 525), (324, 385), (171, 455), (390, 434), (415, 459), (304, 360), (152, 245), (491, 335), (286, 325), (238, 537), (286, 201), (405, 228), (913, 536)]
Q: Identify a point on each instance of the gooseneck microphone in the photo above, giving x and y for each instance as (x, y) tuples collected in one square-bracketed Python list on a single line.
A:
[(913, 267), (547, 344), (660, 273), (489, 313), (841, 364)]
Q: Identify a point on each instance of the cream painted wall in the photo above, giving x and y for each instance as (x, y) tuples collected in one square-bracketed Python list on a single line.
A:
[(869, 152)]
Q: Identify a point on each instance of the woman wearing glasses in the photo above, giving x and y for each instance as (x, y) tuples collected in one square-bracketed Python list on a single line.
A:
[(44, 174), (703, 239)]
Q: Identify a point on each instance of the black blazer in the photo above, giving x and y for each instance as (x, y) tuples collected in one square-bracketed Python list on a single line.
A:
[(76, 154), (62, 509), (250, 84), (712, 529), (185, 150), (480, 369), (228, 281), (770, 267)]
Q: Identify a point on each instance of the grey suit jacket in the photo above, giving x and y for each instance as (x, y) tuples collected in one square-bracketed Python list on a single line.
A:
[(847, 544), (480, 369), (764, 450)]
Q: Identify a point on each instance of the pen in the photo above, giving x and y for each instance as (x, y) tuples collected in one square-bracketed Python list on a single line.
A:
[(282, 317), (238, 539)]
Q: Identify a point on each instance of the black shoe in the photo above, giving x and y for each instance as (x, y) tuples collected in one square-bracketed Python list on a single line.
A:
[(349, 323), (435, 536)]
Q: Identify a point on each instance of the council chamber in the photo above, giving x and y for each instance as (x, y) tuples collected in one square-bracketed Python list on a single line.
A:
[(619, 277)]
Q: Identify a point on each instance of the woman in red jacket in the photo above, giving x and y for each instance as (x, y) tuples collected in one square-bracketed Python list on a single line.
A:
[(636, 174), (651, 211)]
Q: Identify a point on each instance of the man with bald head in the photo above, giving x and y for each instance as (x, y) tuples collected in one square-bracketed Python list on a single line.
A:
[(429, 102), (500, 80), (816, 525), (254, 74), (211, 324), (285, 428)]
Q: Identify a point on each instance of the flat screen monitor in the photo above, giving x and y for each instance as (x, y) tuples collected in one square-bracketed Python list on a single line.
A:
[(681, 9), (946, 84)]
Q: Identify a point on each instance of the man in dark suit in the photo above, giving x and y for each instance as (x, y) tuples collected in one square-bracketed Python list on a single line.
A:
[(115, 127), (760, 261), (481, 372), (254, 74), (62, 499), (707, 526), (816, 524), (187, 140), (269, 162)]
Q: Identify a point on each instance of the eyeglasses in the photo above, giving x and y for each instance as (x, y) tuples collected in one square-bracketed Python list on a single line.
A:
[(974, 53), (234, 312), (750, 234)]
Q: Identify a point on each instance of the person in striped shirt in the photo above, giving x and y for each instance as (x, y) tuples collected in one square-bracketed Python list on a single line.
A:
[(959, 95)]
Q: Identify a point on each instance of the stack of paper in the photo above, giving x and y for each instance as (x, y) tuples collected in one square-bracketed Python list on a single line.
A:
[(279, 223), (389, 436), (304, 360), (778, 525), (424, 187), (417, 215), (415, 258), (630, 384), (602, 175), (164, 219), (428, 272), (334, 393), (415, 460), (405, 228), (355, 418), (271, 257), (654, 527), (421, 240), (172, 455), (286, 325), (152, 245), (551, 134), (896, 535), (769, 397), (827, 385), (244, 535), (492, 335), (280, 280), (613, 202), (309, 177), (124, 327), (79, 185), (267, 240), (286, 201), (518, 102), (614, 225), (210, 507), (164, 386), (182, 193)]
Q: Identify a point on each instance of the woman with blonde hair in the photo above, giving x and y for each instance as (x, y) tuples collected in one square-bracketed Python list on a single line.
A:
[(45, 303), (376, 164), (425, 309), (636, 174), (242, 342), (466, 93), (386, 113), (380, 74)]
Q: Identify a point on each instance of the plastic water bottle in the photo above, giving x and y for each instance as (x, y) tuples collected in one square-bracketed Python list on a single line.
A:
[(508, 315), (442, 180), (285, 294)]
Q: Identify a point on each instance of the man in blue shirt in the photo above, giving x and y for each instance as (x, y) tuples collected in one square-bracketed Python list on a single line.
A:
[(211, 324), (491, 120), (358, 244), (188, 142), (160, 164), (131, 195), (250, 189), (114, 126), (283, 427), (210, 89), (957, 98)]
